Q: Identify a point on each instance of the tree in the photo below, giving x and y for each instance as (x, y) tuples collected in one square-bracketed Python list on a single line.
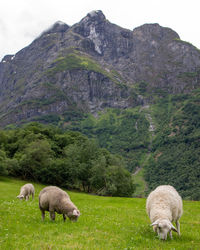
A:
[(82, 157), (35, 160), (119, 182), (3, 166)]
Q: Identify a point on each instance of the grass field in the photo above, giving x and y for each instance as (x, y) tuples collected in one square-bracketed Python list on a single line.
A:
[(105, 223)]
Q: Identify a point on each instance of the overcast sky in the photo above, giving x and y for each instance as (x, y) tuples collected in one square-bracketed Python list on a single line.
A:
[(21, 21)]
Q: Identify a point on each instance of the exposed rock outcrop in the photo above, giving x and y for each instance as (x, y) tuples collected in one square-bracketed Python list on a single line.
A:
[(92, 65)]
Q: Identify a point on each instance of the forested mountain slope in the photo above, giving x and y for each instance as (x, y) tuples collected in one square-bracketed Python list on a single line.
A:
[(176, 148), (135, 92)]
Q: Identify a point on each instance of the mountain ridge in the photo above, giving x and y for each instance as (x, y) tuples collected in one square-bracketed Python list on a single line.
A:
[(110, 62)]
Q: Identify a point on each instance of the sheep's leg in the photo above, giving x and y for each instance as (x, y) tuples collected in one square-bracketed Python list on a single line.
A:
[(32, 196), (178, 227), (27, 198), (52, 215), (43, 214), (64, 217), (170, 234)]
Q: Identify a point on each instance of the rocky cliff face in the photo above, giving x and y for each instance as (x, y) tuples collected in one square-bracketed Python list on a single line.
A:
[(94, 65)]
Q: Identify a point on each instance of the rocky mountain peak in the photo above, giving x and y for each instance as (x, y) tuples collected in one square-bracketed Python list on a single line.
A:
[(154, 32), (58, 27), (95, 64), (95, 17), (92, 27)]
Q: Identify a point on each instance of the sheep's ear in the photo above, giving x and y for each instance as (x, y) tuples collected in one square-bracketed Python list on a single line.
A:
[(75, 212), (173, 228), (154, 223), (20, 196)]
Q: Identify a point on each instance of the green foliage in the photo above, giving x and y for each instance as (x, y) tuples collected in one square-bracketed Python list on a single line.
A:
[(68, 159), (176, 145), (105, 223), (79, 61), (50, 119), (3, 161), (35, 159), (75, 61), (189, 74), (141, 87), (113, 186), (123, 132), (80, 162), (73, 115)]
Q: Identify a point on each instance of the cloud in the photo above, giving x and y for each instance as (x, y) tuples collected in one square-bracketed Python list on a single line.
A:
[(3, 29)]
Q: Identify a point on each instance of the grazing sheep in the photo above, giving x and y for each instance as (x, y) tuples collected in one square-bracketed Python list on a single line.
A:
[(25, 191), (164, 205), (54, 199)]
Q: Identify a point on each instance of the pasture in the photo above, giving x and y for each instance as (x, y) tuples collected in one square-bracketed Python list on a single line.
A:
[(105, 223)]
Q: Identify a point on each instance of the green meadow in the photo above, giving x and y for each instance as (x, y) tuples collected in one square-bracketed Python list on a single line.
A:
[(105, 223)]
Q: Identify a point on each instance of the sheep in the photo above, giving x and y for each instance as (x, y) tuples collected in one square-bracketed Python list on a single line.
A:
[(163, 206), (25, 191), (54, 199)]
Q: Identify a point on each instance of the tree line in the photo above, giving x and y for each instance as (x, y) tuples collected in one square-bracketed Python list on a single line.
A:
[(68, 159)]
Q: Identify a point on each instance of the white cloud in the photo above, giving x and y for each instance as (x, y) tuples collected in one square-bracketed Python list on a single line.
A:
[(23, 20)]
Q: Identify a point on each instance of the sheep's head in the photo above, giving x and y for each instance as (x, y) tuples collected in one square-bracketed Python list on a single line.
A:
[(73, 216), (21, 197), (163, 227)]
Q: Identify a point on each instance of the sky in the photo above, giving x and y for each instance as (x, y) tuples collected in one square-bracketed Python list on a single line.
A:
[(21, 21)]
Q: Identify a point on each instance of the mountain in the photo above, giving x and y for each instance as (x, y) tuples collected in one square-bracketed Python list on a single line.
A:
[(93, 65), (136, 92)]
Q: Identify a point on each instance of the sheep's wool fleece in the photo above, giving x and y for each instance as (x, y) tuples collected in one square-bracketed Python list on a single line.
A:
[(56, 199), (27, 189), (164, 202)]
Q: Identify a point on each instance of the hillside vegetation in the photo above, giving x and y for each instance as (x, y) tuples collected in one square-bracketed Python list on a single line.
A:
[(48, 155), (105, 223), (118, 140), (123, 132), (175, 149), (169, 154)]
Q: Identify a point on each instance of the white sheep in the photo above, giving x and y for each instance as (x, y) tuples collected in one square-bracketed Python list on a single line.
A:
[(25, 191), (54, 199), (163, 206)]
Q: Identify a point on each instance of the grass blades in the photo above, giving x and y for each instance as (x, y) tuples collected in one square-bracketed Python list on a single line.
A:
[(105, 223)]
